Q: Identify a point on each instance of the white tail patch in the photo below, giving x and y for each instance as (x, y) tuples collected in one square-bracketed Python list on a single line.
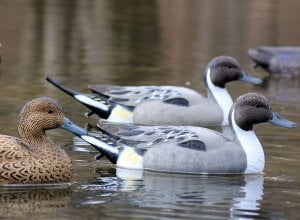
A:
[(130, 159), (99, 144), (222, 97), (88, 101), (120, 114)]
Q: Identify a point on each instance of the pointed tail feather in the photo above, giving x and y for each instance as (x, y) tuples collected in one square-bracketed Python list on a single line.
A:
[(70, 92), (96, 103), (105, 146)]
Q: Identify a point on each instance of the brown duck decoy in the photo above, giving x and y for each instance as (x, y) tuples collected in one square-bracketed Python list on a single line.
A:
[(35, 158)]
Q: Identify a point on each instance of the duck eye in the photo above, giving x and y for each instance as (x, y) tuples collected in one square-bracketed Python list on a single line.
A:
[(50, 111)]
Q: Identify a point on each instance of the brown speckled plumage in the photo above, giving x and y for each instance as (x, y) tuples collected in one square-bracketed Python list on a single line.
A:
[(35, 158)]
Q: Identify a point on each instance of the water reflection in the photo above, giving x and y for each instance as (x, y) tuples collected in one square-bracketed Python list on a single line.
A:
[(283, 91), (163, 194), (22, 202)]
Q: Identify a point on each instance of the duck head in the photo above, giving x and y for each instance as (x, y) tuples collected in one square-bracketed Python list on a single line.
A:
[(38, 115), (253, 108), (223, 69)]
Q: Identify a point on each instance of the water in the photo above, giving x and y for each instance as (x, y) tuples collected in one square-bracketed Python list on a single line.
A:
[(147, 42)]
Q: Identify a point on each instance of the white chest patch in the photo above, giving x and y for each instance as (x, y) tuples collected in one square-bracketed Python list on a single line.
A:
[(222, 97), (252, 147)]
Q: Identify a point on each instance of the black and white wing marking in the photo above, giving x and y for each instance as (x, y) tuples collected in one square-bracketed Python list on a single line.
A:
[(134, 95), (146, 137)]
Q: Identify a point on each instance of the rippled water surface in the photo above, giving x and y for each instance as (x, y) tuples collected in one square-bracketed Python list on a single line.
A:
[(135, 42)]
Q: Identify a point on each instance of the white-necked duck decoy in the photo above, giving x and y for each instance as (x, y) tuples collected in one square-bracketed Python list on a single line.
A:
[(187, 149), (282, 61), (167, 105), (35, 158)]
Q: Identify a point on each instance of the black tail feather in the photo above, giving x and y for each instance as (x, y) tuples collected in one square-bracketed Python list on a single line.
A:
[(94, 110), (61, 87), (110, 141)]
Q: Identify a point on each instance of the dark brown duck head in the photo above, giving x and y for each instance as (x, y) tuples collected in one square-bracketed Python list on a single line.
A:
[(225, 69), (251, 109)]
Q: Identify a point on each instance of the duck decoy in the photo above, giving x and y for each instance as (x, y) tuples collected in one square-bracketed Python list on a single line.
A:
[(167, 105), (282, 61), (188, 149), (35, 158)]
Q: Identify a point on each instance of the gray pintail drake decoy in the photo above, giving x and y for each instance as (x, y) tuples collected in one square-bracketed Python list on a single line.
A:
[(35, 158), (188, 149), (282, 61), (167, 105)]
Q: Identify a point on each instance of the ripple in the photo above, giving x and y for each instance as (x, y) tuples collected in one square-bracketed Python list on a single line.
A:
[(80, 149), (79, 142), (283, 158), (93, 202), (282, 178)]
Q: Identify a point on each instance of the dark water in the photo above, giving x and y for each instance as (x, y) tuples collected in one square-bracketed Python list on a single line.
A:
[(147, 42)]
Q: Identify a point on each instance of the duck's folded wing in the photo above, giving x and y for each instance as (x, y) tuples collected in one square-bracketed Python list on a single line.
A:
[(12, 149), (150, 136), (133, 95)]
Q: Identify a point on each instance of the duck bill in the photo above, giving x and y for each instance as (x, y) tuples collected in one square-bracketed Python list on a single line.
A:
[(245, 77), (278, 120), (73, 128)]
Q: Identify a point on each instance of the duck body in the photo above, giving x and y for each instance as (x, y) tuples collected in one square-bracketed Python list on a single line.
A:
[(167, 105), (20, 163), (34, 158), (188, 149), (184, 149), (282, 61)]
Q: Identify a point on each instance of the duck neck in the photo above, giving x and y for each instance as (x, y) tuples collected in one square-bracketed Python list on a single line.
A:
[(218, 95), (251, 145)]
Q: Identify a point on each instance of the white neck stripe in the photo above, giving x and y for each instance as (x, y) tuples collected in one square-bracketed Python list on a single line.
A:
[(252, 147), (220, 95)]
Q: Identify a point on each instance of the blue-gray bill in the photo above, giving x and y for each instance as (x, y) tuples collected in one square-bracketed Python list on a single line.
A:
[(278, 120), (73, 128), (250, 79)]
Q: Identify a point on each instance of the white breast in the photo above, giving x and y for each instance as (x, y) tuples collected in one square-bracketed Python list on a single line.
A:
[(252, 147)]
